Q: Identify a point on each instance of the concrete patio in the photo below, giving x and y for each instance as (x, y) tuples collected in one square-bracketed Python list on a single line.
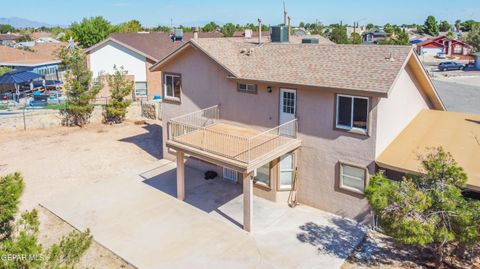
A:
[(137, 216)]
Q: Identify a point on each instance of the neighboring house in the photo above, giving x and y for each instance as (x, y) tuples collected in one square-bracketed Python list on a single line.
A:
[(39, 35), (359, 30), (43, 61), (136, 53), (443, 44), (296, 37), (283, 117), (9, 39), (373, 37)]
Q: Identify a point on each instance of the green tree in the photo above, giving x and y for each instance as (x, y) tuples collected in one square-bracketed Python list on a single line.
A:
[(388, 28), (228, 29), (402, 39), (468, 25), (315, 28), (132, 26), (451, 35), (25, 38), (210, 27), (473, 37), (458, 25), (162, 28), (444, 26), (431, 26), (427, 210), (79, 87), (91, 30), (301, 24), (120, 87), (339, 35), (20, 236), (370, 27), (4, 70), (6, 28), (356, 38)]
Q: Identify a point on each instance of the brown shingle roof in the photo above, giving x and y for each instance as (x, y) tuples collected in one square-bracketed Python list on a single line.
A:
[(9, 37), (355, 67), (155, 45), (11, 56)]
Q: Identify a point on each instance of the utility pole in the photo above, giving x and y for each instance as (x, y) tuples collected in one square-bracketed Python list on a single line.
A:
[(284, 14)]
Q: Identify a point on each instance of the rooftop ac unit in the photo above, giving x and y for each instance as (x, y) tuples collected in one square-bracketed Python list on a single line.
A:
[(177, 35)]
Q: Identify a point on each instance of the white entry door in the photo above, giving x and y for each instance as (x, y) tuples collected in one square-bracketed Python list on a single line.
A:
[(288, 105)]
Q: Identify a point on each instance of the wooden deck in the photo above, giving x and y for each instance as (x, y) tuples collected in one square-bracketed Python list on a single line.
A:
[(241, 144)]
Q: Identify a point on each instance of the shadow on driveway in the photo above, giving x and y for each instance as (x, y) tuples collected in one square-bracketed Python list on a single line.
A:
[(334, 239), (206, 195), (150, 142)]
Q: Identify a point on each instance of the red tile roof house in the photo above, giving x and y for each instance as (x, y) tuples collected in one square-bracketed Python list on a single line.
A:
[(136, 52), (270, 114), (443, 44)]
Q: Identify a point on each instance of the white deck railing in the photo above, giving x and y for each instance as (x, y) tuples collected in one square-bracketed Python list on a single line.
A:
[(193, 130)]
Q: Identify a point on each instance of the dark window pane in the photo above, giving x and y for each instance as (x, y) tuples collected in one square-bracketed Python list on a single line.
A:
[(360, 112), (344, 111), (177, 82), (168, 86)]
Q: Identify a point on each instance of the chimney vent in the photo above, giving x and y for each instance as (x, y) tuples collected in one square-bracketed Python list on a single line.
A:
[(259, 30), (195, 33)]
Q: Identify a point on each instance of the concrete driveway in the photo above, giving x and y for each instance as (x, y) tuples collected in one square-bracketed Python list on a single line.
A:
[(460, 94), (136, 216)]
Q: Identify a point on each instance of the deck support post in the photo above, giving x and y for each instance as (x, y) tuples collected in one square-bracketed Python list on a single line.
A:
[(247, 201), (180, 175)]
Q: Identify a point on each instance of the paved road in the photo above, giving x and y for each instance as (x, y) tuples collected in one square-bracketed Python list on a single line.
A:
[(459, 95), (136, 217)]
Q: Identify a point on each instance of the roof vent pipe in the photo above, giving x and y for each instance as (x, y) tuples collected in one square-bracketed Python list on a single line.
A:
[(289, 27), (259, 30), (195, 33)]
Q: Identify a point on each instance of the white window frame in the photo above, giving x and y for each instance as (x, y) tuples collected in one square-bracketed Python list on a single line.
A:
[(348, 188), (285, 187), (261, 183), (249, 88), (135, 88), (460, 51), (230, 174), (165, 96), (351, 127)]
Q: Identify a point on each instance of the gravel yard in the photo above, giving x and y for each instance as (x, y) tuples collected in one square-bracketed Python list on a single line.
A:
[(56, 160)]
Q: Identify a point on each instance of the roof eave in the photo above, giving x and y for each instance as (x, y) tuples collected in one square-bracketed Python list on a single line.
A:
[(111, 39), (366, 92), (437, 101), (183, 47)]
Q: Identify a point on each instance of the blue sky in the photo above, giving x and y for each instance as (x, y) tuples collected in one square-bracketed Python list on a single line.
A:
[(190, 12)]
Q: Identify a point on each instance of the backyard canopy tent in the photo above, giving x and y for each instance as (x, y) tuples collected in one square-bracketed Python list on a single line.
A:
[(15, 78), (18, 77)]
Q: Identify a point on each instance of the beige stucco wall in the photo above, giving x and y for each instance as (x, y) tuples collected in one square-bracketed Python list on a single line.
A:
[(204, 84), (405, 101), (154, 81)]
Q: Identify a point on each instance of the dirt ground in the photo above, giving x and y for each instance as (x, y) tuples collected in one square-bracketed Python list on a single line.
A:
[(379, 251), (58, 159), (52, 228)]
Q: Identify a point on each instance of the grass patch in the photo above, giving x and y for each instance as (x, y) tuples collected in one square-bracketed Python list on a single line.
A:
[(56, 106)]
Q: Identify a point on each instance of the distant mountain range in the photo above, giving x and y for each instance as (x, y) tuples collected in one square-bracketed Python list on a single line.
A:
[(23, 23)]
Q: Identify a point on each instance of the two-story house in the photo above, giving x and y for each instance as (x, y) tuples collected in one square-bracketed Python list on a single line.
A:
[(284, 117)]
